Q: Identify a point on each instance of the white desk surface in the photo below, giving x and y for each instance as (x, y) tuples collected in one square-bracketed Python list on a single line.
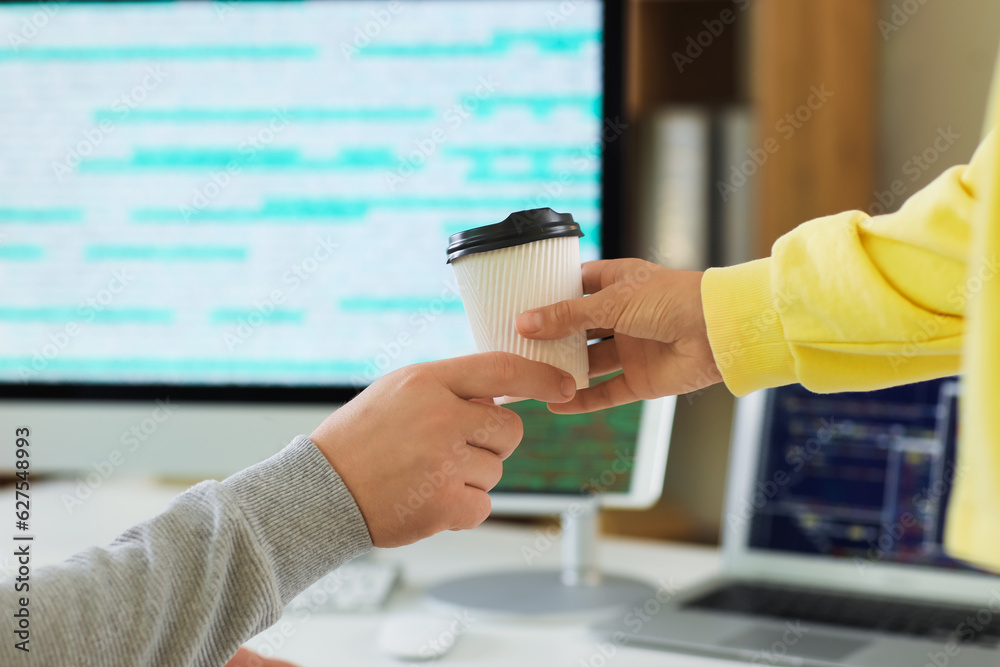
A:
[(350, 639)]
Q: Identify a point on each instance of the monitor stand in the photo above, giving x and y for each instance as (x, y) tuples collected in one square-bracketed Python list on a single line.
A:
[(579, 587)]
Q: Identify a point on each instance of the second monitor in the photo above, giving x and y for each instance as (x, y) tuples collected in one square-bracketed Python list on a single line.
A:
[(572, 465)]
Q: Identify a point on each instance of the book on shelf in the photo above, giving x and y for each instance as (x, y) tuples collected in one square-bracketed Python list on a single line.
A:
[(694, 202)]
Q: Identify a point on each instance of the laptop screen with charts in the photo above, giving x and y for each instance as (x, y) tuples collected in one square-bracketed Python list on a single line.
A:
[(833, 548), (859, 481), (857, 476)]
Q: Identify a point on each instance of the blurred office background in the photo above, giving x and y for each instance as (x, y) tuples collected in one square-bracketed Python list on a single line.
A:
[(905, 84), (747, 117)]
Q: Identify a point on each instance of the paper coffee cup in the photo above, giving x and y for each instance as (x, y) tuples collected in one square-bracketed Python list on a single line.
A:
[(529, 260)]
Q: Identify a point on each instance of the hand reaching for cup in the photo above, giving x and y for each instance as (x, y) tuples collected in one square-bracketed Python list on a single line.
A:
[(420, 447), (654, 326)]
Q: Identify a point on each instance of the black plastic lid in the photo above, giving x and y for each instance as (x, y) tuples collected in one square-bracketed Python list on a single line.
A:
[(519, 228)]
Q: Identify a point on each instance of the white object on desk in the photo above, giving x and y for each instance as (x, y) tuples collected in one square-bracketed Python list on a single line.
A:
[(419, 636)]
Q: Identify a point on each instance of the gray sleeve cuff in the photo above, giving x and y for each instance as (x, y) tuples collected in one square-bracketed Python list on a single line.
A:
[(305, 519)]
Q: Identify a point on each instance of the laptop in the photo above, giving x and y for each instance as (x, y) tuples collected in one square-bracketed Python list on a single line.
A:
[(832, 542)]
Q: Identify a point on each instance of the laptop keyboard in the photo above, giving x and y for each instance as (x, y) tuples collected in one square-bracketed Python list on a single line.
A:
[(965, 625)]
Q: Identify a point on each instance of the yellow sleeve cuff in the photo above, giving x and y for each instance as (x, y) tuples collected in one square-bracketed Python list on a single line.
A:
[(744, 327)]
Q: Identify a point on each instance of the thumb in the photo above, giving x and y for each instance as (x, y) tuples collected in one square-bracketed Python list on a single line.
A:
[(504, 374), (597, 311)]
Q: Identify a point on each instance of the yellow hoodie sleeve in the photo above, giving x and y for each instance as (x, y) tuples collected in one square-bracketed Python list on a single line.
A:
[(851, 302)]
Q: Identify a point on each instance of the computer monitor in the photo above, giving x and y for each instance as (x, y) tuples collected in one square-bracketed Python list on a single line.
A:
[(571, 465), (221, 219), (617, 456)]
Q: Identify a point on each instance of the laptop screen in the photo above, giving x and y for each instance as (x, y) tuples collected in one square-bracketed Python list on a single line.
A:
[(864, 476)]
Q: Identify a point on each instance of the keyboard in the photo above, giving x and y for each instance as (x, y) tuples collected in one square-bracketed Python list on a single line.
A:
[(861, 612), (359, 585)]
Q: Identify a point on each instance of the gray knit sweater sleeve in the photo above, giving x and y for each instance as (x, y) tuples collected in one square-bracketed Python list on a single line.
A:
[(188, 586)]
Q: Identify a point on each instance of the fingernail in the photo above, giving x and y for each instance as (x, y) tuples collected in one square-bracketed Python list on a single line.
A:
[(568, 387), (529, 322)]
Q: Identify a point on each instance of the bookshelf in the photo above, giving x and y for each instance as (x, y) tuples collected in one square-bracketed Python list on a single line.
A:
[(769, 57), (814, 58)]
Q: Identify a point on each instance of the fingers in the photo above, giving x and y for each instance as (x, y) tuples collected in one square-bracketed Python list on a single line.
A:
[(597, 311), (601, 273), (495, 429), (593, 273), (607, 394), (612, 286), (473, 508), (504, 374), (603, 358), (483, 469)]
